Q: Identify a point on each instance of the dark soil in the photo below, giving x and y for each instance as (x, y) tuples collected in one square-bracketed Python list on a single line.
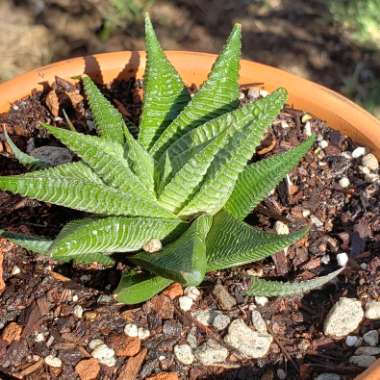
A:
[(42, 296)]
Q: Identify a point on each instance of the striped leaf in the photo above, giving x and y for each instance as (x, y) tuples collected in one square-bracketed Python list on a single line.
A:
[(105, 158), (41, 246), (109, 234), (258, 179), (183, 260), (232, 242), (108, 120), (260, 287), (219, 94), (75, 186), (165, 94), (23, 158), (182, 150), (135, 287)]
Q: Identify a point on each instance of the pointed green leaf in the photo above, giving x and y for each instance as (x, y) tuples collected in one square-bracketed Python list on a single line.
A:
[(219, 94), (183, 149), (108, 120), (90, 258), (232, 242), (139, 287), (41, 246), (185, 181), (258, 179), (69, 185), (23, 158), (109, 234), (183, 260), (260, 287), (105, 158), (165, 94)]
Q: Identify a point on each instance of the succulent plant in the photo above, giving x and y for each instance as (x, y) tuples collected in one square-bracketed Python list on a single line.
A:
[(185, 181)]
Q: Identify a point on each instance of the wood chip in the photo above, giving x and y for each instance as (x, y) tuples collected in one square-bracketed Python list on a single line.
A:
[(88, 369), (131, 369), (52, 102), (11, 333), (2, 283), (59, 277), (29, 370), (173, 291)]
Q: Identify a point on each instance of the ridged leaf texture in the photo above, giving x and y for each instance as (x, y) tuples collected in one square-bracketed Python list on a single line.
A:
[(108, 120), (258, 179), (183, 260), (231, 160), (266, 288), (232, 242), (219, 94), (165, 95), (110, 234)]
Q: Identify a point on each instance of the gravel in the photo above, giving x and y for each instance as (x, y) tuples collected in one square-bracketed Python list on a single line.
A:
[(371, 338), (344, 317), (211, 352), (131, 330), (363, 361), (185, 303), (258, 321), (221, 321), (53, 361), (105, 355), (370, 161), (351, 340), (184, 354), (372, 310), (224, 298)]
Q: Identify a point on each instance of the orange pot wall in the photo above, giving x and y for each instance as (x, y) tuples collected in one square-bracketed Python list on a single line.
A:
[(338, 111)]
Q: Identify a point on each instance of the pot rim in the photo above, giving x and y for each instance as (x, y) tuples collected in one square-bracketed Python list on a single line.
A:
[(339, 112)]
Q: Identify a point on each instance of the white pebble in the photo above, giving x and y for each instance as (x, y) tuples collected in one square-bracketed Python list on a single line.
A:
[(78, 311), (143, 333), (371, 338), (364, 170), (184, 354), (351, 340), (192, 292), (323, 144), (307, 129), (306, 212), (370, 161), (325, 259), (75, 298), (261, 301), (258, 321), (264, 93), (347, 155), (358, 152), (105, 355), (342, 259), (131, 330), (344, 182), (15, 270), (221, 321), (53, 361), (40, 337), (372, 310), (253, 92), (152, 246), (185, 303), (281, 228), (364, 266), (95, 343), (284, 124)]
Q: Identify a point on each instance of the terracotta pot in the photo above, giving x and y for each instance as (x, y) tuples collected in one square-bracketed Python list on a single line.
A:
[(339, 112)]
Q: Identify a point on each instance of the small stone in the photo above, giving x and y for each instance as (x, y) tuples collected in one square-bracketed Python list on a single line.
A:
[(75, 298), (163, 306), (173, 291), (371, 338), (88, 369), (258, 321), (253, 93), (221, 321), (164, 376), (131, 329), (184, 354), (211, 352), (78, 311), (192, 292), (306, 212), (95, 343), (225, 300), (358, 152), (342, 259), (370, 161), (39, 338), (105, 355), (281, 228), (363, 361), (53, 361), (367, 350), (15, 271), (325, 259), (344, 317), (351, 340), (328, 376), (344, 182), (52, 155), (364, 266), (261, 301), (204, 317), (11, 333), (104, 298), (143, 333), (185, 303), (307, 129), (152, 246), (251, 344), (323, 144), (372, 310), (125, 345), (263, 93), (191, 338)]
